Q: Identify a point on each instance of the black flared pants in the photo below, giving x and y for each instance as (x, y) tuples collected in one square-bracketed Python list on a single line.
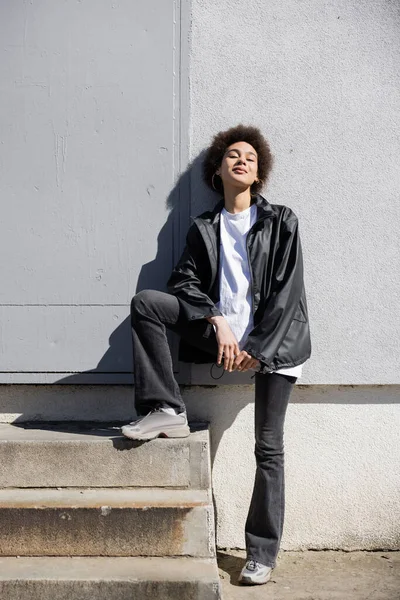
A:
[(152, 313)]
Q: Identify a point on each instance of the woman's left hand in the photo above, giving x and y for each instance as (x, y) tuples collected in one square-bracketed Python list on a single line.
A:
[(244, 361)]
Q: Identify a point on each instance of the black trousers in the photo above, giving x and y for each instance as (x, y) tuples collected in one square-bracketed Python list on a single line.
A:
[(152, 313)]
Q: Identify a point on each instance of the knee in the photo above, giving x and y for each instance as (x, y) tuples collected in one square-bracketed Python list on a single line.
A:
[(269, 447), (141, 302)]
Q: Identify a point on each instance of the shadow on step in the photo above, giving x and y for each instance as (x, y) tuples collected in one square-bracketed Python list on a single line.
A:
[(230, 567), (108, 430)]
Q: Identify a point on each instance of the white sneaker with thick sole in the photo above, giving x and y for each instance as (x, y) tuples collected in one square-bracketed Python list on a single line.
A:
[(254, 573), (161, 422)]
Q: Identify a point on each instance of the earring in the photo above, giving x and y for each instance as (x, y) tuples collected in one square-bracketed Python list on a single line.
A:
[(212, 181)]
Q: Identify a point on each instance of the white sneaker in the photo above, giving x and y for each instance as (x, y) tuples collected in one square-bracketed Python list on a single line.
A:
[(254, 573), (161, 422)]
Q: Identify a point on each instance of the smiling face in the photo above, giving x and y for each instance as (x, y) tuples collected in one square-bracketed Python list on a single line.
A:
[(239, 166)]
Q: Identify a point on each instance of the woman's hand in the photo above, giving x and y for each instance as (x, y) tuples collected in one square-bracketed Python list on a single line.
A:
[(227, 343), (244, 361)]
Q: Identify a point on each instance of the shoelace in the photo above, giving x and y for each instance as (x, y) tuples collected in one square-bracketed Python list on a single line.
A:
[(139, 419), (251, 565)]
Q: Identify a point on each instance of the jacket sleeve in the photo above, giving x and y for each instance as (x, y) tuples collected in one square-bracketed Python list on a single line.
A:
[(267, 336), (187, 280)]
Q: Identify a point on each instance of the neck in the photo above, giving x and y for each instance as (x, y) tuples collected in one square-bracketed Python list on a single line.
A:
[(236, 201)]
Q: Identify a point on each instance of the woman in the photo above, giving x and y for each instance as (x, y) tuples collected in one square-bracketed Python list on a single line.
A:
[(237, 296)]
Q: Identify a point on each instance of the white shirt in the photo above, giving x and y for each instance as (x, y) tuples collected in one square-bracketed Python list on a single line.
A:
[(235, 301)]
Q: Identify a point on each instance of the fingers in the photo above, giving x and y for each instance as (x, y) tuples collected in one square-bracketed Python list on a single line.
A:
[(220, 353), (229, 353), (232, 357), (254, 364), (237, 352), (234, 353), (245, 361), (229, 357), (246, 364), (239, 360), (236, 359), (226, 357), (228, 347)]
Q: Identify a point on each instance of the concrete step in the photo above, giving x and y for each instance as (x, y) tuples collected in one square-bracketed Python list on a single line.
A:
[(108, 579), (106, 522), (81, 455)]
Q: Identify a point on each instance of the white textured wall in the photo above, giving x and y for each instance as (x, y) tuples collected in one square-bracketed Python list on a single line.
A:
[(342, 453), (322, 81)]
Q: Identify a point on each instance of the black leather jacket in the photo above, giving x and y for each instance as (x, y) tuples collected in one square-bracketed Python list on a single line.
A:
[(281, 334)]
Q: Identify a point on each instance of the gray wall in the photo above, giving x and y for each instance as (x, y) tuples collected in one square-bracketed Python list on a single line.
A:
[(322, 80), (90, 131)]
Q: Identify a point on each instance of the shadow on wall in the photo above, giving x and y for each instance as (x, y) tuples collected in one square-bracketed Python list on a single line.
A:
[(189, 194), (118, 359)]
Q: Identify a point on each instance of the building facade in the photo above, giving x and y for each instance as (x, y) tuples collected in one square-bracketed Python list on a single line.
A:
[(106, 108)]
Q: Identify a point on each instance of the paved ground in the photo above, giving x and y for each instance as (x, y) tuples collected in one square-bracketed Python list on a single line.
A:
[(325, 575)]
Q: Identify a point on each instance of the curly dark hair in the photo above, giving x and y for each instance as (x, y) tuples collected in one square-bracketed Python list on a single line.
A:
[(222, 141)]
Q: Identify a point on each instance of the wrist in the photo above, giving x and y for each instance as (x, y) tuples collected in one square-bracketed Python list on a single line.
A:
[(216, 320)]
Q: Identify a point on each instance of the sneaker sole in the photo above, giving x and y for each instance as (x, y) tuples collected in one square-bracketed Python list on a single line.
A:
[(249, 581), (179, 432)]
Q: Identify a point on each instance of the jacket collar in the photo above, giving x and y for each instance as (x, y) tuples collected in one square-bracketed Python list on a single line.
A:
[(264, 209), (208, 225)]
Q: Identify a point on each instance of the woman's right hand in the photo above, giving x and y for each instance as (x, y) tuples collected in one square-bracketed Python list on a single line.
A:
[(228, 347)]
